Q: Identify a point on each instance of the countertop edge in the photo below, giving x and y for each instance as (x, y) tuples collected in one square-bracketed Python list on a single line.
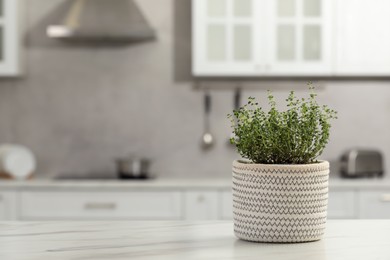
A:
[(171, 184)]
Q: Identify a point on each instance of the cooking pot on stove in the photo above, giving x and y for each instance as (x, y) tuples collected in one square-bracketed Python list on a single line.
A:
[(133, 168)]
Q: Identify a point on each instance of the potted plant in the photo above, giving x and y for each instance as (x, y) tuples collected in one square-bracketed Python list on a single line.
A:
[(280, 189)]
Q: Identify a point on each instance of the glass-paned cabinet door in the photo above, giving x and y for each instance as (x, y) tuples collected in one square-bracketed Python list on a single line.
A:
[(299, 37), (9, 38), (226, 38)]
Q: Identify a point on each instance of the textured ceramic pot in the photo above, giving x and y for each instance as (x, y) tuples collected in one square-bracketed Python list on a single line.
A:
[(280, 203)]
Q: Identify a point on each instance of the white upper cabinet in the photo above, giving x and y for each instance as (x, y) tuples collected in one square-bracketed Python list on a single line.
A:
[(226, 37), (299, 38), (291, 38), (261, 37), (9, 38), (363, 38)]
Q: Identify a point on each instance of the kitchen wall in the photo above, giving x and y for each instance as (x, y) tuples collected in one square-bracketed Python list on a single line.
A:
[(78, 108)]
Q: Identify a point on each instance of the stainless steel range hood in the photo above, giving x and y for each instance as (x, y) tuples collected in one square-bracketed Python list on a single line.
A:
[(101, 20)]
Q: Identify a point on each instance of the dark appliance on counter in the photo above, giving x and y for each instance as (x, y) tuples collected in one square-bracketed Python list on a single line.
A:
[(361, 163), (133, 168)]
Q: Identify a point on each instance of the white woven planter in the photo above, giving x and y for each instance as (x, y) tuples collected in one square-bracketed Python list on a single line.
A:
[(280, 203)]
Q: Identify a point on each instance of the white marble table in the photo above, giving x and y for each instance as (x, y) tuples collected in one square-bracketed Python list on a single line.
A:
[(344, 239)]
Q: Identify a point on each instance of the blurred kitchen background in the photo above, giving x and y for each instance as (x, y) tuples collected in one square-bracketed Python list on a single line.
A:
[(79, 103)]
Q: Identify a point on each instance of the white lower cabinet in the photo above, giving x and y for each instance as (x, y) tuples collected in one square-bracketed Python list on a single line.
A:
[(226, 199), (342, 204), (100, 205), (162, 204), (8, 205), (201, 205), (374, 204)]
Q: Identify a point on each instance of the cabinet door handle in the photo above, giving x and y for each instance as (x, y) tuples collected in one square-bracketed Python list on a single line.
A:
[(100, 205), (1, 198), (385, 197)]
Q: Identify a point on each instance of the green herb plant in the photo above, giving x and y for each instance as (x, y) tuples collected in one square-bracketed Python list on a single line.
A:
[(297, 135)]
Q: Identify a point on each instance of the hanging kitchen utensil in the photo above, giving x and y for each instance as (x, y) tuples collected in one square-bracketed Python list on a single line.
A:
[(236, 103), (207, 137)]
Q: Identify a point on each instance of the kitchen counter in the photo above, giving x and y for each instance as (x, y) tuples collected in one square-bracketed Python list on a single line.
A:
[(223, 183), (344, 239), (115, 184)]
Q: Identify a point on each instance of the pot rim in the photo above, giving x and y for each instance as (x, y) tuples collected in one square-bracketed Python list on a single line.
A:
[(248, 164)]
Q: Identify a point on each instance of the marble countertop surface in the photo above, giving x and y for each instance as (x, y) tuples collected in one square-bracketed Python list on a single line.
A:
[(344, 239), (165, 183)]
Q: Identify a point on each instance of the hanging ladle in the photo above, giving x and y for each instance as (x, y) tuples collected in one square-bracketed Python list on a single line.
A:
[(207, 137)]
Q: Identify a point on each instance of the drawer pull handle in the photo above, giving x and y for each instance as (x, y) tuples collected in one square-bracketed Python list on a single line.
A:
[(99, 205), (385, 197)]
